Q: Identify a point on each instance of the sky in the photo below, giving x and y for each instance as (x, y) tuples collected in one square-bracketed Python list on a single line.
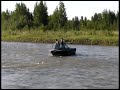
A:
[(73, 8)]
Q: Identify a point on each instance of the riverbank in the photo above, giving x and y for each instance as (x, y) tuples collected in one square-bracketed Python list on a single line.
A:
[(87, 37)]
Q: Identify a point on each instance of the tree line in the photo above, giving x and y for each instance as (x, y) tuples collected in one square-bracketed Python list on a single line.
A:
[(21, 18)]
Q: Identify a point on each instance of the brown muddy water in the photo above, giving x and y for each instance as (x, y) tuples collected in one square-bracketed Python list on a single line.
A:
[(31, 66)]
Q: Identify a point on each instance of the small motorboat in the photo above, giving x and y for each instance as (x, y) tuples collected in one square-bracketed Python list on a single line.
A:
[(61, 49), (63, 52)]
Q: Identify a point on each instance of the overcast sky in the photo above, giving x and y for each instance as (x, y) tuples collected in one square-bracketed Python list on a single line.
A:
[(73, 8)]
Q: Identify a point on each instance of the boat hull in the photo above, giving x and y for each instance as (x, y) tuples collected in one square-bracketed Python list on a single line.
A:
[(65, 52)]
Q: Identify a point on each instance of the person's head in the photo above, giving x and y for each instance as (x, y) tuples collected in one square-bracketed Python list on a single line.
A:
[(56, 40), (61, 39)]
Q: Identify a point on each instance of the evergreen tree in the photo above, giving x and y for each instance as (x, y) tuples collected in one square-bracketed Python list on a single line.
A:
[(99, 21), (40, 14), (45, 13), (76, 23), (5, 18), (81, 22), (55, 18), (62, 15), (117, 16), (85, 21), (21, 17)]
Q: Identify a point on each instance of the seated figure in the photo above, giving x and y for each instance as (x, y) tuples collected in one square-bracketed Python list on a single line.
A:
[(57, 44), (63, 44), (60, 45)]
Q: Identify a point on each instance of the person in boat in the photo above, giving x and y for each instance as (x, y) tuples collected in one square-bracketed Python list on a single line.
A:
[(57, 44), (63, 44)]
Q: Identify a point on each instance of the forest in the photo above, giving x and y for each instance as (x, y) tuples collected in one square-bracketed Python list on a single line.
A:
[(22, 25)]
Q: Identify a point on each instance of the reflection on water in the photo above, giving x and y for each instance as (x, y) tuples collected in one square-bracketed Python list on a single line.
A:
[(31, 66)]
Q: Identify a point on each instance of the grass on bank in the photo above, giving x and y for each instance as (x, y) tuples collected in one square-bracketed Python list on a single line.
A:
[(89, 37)]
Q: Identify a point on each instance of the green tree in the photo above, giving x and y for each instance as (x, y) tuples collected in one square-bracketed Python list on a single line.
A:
[(5, 17), (55, 18), (76, 23), (105, 19), (40, 14), (116, 22), (85, 21), (69, 25), (50, 23), (117, 16), (21, 17), (81, 22), (95, 21), (111, 17), (99, 21), (58, 19), (45, 13), (62, 15)]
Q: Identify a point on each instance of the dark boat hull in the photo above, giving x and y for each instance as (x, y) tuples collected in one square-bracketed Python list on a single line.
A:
[(65, 52)]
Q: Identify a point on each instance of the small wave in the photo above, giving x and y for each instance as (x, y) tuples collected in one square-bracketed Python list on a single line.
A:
[(40, 62), (4, 66), (82, 55)]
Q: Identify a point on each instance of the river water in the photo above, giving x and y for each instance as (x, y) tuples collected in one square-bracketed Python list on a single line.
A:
[(31, 66)]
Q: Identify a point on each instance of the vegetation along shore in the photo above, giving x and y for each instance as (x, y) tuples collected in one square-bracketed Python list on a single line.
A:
[(102, 29)]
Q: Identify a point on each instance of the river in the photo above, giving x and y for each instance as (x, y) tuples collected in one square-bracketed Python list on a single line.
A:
[(31, 66)]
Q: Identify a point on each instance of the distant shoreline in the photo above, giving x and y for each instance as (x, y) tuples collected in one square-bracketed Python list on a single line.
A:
[(70, 37), (65, 42)]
